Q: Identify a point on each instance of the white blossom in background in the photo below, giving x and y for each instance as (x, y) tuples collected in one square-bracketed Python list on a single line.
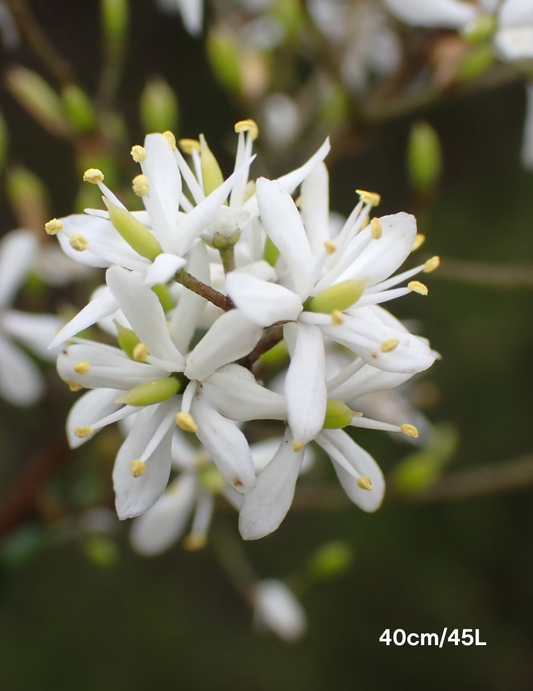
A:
[(21, 382), (277, 609), (191, 11)]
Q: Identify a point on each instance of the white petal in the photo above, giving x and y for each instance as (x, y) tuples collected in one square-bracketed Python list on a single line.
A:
[(192, 15), (134, 495), (305, 384), (516, 13), (335, 441), (515, 43), (446, 13), (291, 181), (263, 452), (157, 529), (20, 380), (278, 609), (368, 380), (235, 393), (265, 507), (17, 252), (35, 331), (315, 207), (230, 338), (527, 137), (144, 312), (225, 443), (261, 302), (108, 367), (163, 269), (283, 225), (89, 408), (102, 305)]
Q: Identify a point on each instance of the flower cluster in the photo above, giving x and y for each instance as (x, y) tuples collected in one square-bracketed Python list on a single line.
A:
[(212, 277)]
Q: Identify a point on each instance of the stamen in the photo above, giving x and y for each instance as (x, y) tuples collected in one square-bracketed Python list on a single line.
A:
[(138, 468), (330, 247), (139, 153), (82, 367), (375, 228), (74, 387), (140, 352), (372, 198), (78, 242), (364, 482), (189, 145), (171, 139), (53, 227), (418, 287), (248, 125), (296, 446), (83, 432), (419, 241), (140, 185), (185, 421), (93, 175), (337, 317), (410, 431), (431, 264), (194, 543), (389, 345)]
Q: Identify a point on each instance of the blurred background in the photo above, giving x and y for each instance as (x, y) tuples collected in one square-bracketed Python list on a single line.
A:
[(451, 546)]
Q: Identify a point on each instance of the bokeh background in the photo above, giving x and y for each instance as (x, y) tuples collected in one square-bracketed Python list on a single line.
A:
[(85, 613)]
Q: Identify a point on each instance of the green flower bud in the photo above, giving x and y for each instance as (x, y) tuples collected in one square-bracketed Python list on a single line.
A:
[(224, 56), (277, 354), (78, 108), (331, 559), (481, 29), (27, 195), (476, 63), (211, 174), (38, 98), (159, 108), (337, 297), (155, 391), (101, 550), (271, 252), (133, 231), (115, 17), (212, 479), (424, 158), (127, 339), (338, 415), (165, 298)]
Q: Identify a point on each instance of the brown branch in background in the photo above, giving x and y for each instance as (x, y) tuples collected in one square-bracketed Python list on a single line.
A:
[(39, 43), (488, 275), (20, 504)]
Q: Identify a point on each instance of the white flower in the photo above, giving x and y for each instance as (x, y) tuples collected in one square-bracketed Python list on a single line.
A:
[(191, 11), (20, 380), (276, 608)]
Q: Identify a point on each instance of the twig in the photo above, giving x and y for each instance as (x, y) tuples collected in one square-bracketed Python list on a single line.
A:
[(191, 283)]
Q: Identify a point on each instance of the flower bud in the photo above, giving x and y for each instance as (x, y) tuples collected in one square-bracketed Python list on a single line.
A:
[(115, 16), (78, 108), (27, 196), (224, 56), (155, 391), (127, 339), (424, 159), (480, 29), (331, 559), (338, 297), (211, 174), (159, 108), (476, 63), (133, 231)]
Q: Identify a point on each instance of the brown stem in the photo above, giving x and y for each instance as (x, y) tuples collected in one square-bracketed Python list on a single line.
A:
[(271, 337), (191, 283)]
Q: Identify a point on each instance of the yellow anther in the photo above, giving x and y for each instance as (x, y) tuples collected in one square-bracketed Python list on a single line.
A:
[(74, 387), (419, 241), (372, 198), (330, 247), (185, 421), (138, 468), (337, 317), (140, 352), (365, 482), (375, 228), (53, 227), (410, 431), (93, 175), (193, 542), (418, 287), (296, 446), (78, 242), (139, 153), (83, 432), (140, 185), (248, 126), (171, 139), (431, 264), (189, 145), (389, 345), (82, 367)]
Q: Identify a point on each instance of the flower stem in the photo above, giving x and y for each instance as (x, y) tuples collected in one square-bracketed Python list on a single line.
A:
[(228, 258), (191, 283)]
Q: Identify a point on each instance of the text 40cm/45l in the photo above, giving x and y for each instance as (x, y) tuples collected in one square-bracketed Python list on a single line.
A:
[(456, 636)]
